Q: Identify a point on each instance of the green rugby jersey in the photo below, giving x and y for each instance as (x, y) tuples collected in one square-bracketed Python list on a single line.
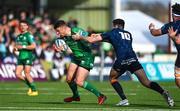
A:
[(25, 39), (80, 47)]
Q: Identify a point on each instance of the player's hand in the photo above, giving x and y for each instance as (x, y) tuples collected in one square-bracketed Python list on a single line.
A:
[(94, 35), (171, 32), (151, 26), (15, 51), (76, 37), (58, 49), (19, 47)]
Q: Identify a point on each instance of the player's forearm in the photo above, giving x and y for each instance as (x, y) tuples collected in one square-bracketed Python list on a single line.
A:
[(69, 51), (30, 47), (155, 32), (87, 39), (93, 38)]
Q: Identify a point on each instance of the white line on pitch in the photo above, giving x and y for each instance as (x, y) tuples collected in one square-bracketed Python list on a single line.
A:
[(75, 109)]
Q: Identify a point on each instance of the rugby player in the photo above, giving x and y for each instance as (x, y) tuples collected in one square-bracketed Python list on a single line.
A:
[(25, 44), (82, 62), (126, 60), (173, 30)]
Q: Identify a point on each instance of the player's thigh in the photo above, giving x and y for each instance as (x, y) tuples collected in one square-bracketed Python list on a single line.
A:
[(71, 71), (137, 69), (27, 69), (82, 74), (116, 71), (19, 69)]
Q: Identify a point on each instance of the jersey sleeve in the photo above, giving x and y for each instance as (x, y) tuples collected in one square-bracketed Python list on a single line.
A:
[(164, 28), (31, 39), (106, 35), (81, 32)]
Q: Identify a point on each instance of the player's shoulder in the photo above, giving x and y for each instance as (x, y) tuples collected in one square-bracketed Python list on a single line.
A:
[(124, 31), (19, 35), (29, 34), (76, 29), (168, 24)]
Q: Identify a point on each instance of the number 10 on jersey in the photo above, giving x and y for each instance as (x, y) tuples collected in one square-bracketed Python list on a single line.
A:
[(125, 36)]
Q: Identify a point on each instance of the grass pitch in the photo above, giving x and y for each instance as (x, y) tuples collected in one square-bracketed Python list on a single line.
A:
[(51, 94)]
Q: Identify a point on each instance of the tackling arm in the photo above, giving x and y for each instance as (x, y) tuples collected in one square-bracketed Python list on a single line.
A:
[(91, 39), (154, 32)]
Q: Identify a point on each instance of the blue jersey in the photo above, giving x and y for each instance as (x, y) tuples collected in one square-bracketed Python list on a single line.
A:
[(176, 26), (122, 43)]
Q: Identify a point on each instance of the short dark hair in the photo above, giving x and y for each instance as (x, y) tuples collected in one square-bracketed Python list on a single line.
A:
[(118, 23), (176, 9), (59, 23), (24, 21)]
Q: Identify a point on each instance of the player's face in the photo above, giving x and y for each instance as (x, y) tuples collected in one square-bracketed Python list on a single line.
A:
[(175, 18), (23, 27), (61, 31)]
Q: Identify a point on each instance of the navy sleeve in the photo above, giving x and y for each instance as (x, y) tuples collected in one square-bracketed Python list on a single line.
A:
[(106, 35), (164, 28)]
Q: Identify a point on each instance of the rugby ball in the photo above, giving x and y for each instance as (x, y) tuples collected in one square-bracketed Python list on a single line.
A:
[(61, 43)]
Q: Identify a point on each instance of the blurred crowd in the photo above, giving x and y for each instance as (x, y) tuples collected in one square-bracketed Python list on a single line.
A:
[(41, 28)]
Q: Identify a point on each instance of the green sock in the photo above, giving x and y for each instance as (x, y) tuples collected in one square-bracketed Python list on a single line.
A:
[(33, 86), (27, 82), (91, 88), (73, 87)]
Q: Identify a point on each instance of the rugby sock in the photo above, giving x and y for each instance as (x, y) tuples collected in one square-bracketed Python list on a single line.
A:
[(33, 86), (91, 88), (118, 89), (27, 82), (73, 87), (156, 87)]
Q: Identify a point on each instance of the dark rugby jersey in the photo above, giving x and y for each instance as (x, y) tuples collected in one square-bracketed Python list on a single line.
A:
[(176, 26), (122, 43)]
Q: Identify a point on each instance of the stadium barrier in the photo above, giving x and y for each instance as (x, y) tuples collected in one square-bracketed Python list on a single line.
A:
[(160, 71), (7, 72)]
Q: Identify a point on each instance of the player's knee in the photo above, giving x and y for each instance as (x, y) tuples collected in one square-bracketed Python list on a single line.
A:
[(68, 80), (177, 78), (113, 80), (18, 75), (178, 85), (27, 74), (147, 84), (79, 82)]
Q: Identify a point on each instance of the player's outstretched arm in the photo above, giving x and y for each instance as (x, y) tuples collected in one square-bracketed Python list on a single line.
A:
[(31, 47), (173, 36), (154, 32), (91, 39)]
